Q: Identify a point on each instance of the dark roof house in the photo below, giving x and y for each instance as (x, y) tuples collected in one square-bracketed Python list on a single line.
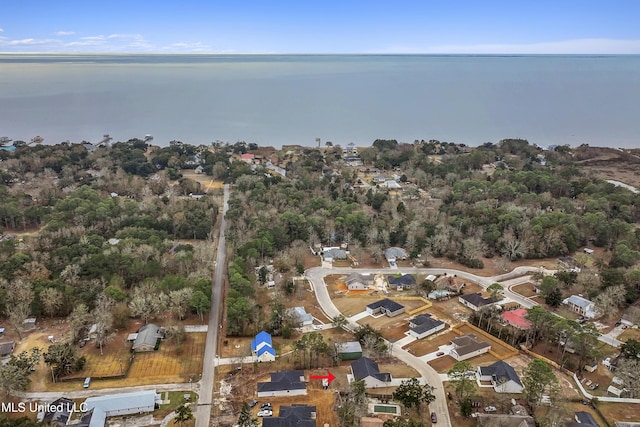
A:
[(476, 301), (283, 383), (292, 416), (385, 306), (502, 376), (467, 346), (405, 281), (424, 325), (368, 370)]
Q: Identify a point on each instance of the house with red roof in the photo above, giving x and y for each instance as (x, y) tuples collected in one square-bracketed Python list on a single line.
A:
[(247, 157), (517, 318)]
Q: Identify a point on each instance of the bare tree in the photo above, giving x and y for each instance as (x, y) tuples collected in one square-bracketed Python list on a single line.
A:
[(145, 300), (52, 300), (103, 319), (79, 320), (19, 296), (612, 298), (179, 301)]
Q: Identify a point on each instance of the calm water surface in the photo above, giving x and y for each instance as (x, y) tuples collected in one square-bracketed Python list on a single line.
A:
[(275, 99)]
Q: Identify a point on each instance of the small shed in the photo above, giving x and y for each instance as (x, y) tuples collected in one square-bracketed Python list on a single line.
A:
[(6, 348), (351, 350)]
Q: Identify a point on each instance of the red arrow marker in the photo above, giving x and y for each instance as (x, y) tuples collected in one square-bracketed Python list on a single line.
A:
[(329, 377)]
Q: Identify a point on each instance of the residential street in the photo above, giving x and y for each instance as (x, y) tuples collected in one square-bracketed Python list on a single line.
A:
[(439, 406), (203, 410)]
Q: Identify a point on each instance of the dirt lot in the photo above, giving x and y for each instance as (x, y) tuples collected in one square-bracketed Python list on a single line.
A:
[(206, 181), (525, 289), (243, 389)]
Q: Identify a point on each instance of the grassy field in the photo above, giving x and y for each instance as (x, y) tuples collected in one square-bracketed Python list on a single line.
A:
[(168, 364)]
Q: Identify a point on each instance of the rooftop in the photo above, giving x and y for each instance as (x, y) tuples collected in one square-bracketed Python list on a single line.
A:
[(387, 304), (517, 317), (284, 380), (501, 371), (365, 367)]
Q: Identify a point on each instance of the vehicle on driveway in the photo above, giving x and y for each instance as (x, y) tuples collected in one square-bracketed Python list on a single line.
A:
[(253, 403), (440, 353), (265, 413), (434, 418)]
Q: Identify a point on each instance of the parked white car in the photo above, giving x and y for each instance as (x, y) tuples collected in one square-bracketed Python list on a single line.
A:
[(265, 413)]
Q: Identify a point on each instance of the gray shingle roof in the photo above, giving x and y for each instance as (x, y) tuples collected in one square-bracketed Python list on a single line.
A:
[(390, 305), (365, 367), (292, 416), (478, 300), (502, 372), (586, 418), (282, 381), (404, 280), (147, 335), (424, 323)]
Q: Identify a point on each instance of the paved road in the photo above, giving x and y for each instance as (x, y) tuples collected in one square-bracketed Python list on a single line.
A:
[(203, 411), (316, 277), (439, 406)]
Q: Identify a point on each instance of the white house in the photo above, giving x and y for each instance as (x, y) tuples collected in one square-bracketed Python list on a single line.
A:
[(385, 306), (357, 281), (367, 370), (581, 305), (467, 346), (502, 376), (300, 315), (262, 347), (424, 325), (284, 383), (476, 301)]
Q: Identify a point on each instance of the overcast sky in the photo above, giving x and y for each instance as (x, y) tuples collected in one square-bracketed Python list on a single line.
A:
[(329, 26)]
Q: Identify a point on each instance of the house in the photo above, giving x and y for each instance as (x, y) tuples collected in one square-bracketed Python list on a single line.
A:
[(357, 281), (385, 306), (588, 251), (6, 348), (119, 404), (516, 318), (393, 254), (581, 306), (351, 350), (285, 383), (424, 325), (391, 185), (628, 317), (300, 316), (367, 370), (430, 278), (292, 416), (147, 338), (57, 412), (406, 281), (476, 301), (331, 254), (262, 347), (247, 157), (467, 346), (502, 376)]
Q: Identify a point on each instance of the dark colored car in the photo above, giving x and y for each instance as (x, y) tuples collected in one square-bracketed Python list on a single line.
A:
[(434, 418), (440, 353), (253, 403)]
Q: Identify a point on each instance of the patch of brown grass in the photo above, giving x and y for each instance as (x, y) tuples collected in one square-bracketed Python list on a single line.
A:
[(430, 344)]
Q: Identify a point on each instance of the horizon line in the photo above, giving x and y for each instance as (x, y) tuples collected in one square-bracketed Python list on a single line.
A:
[(324, 53)]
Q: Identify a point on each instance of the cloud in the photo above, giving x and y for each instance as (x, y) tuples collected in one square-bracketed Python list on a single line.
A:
[(64, 33), (1, 30), (182, 47), (578, 46)]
